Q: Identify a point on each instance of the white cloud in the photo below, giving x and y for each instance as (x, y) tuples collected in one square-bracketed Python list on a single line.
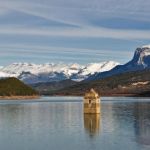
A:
[(78, 13), (77, 17), (81, 12), (16, 48), (55, 54)]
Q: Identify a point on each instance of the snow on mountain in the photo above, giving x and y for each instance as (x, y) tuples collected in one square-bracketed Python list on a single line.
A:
[(93, 68), (98, 67), (18, 68), (72, 69), (29, 78), (33, 73), (142, 56), (140, 61), (145, 46), (4, 75)]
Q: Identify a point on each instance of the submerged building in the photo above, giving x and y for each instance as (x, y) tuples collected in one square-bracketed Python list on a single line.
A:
[(91, 102)]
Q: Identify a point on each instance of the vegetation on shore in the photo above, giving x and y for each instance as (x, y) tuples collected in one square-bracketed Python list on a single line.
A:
[(135, 83), (12, 87)]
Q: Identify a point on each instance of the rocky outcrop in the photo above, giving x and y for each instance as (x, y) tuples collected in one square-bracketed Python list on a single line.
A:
[(140, 61)]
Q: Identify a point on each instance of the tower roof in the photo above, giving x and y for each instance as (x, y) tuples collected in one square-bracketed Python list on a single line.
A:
[(92, 93)]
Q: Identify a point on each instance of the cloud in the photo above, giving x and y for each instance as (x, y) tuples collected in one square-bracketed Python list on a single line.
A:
[(98, 32), (3, 11), (81, 12), (23, 21), (80, 15), (56, 54)]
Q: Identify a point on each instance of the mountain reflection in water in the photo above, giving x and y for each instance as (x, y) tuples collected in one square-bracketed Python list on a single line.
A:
[(142, 123)]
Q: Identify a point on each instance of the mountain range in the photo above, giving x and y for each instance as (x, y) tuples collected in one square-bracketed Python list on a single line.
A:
[(130, 79), (135, 83), (108, 78), (50, 72)]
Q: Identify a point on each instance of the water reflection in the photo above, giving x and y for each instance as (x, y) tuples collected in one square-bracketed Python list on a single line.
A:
[(62, 125), (142, 123), (92, 124)]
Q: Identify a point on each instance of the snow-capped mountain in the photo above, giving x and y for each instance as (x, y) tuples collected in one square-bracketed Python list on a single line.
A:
[(18, 68), (29, 78), (3, 75), (33, 73), (140, 61), (93, 68)]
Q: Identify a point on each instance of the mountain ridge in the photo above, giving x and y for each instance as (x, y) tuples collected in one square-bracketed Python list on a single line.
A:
[(136, 83), (50, 72), (140, 61)]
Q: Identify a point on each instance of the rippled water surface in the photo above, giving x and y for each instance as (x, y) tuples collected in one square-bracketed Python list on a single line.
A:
[(58, 123)]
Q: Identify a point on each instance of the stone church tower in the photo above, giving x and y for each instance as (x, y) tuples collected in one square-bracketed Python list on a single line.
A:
[(91, 102)]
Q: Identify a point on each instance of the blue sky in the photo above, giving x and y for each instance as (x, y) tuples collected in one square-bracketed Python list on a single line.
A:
[(82, 31)]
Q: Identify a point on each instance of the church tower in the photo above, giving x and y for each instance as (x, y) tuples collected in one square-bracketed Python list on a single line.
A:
[(91, 102)]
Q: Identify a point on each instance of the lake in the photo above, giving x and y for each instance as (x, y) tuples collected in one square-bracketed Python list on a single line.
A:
[(58, 123)]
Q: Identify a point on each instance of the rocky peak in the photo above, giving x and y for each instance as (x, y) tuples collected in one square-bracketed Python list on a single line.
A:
[(142, 56)]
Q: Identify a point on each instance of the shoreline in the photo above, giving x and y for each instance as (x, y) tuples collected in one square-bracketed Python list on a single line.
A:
[(19, 97), (59, 95), (103, 95)]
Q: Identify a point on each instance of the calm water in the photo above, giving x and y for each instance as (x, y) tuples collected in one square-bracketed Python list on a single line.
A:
[(57, 123)]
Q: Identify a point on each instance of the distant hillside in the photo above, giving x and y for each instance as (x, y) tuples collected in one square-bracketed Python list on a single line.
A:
[(44, 88), (14, 87), (132, 83)]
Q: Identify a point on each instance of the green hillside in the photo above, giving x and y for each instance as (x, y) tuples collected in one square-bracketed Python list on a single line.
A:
[(132, 83), (14, 87)]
